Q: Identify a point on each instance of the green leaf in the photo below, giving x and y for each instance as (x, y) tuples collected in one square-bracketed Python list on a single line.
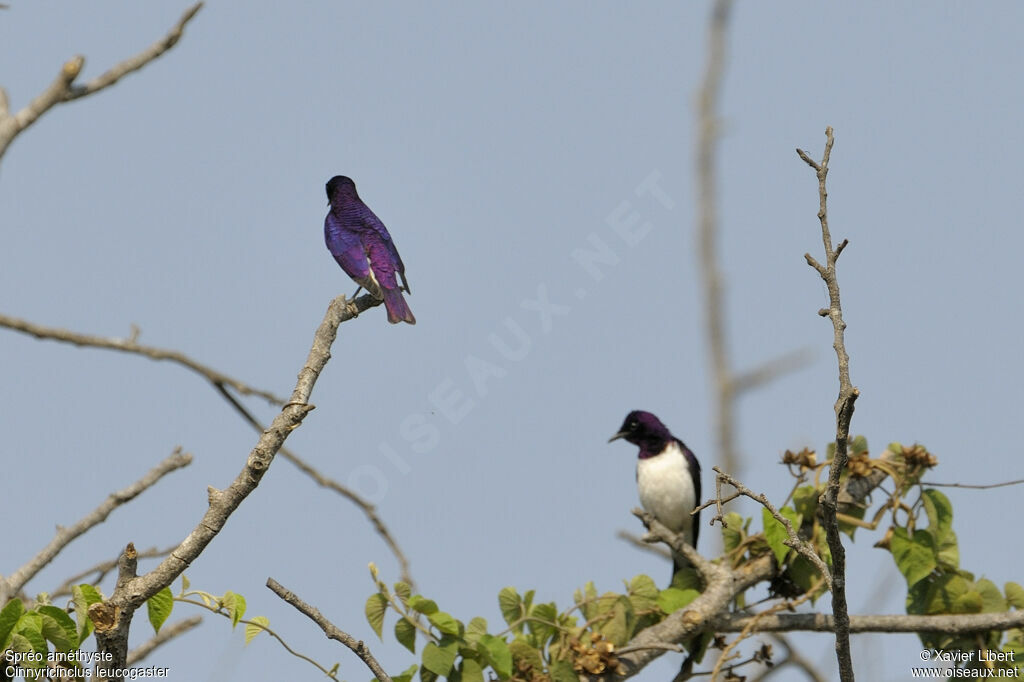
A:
[(992, 598), (858, 445), (948, 552), (495, 650), (422, 604), (543, 618), (510, 604), (528, 600), (524, 656), (439, 659), (969, 602), (159, 607), (687, 579), (426, 675), (775, 533), (255, 626), (83, 596), (938, 594), (9, 616), (805, 501), (30, 626), (732, 531), (1014, 596), (445, 623), (185, 583), (403, 591), (940, 513), (619, 628), (914, 557), (643, 593), (672, 599), (474, 630), (805, 574), (471, 671), (561, 671), (235, 604), (405, 633), (376, 607), (59, 628)]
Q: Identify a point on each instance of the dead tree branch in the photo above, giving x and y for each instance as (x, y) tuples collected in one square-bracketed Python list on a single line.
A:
[(63, 88), (844, 412), (130, 345), (333, 632)]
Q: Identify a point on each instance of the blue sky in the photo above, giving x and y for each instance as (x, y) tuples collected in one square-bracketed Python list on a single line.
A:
[(494, 140)]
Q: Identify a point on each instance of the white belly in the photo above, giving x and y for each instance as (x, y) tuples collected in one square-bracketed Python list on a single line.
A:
[(666, 489)]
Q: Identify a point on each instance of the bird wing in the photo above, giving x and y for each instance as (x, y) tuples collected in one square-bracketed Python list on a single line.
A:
[(374, 225), (694, 464), (347, 248), (382, 261)]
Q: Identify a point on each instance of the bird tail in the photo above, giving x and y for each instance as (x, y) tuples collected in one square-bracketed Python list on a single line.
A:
[(678, 564), (398, 309)]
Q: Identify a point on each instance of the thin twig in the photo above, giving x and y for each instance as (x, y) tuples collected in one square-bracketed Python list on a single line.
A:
[(219, 610), (129, 345), (751, 626), (166, 634), (13, 584), (970, 486), (793, 658), (63, 89), (332, 631), (367, 508), (795, 541), (844, 413)]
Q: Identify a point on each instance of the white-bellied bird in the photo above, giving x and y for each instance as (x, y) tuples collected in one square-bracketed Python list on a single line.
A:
[(667, 477)]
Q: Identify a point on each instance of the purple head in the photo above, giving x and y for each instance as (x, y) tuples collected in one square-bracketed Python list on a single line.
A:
[(340, 185), (644, 429)]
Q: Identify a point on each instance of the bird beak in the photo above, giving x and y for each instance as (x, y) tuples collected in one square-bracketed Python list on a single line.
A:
[(620, 434)]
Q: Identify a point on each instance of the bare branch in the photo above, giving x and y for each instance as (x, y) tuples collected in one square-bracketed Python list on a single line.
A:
[(132, 591), (333, 632), (844, 413), (17, 580), (62, 89), (166, 634), (951, 624), (707, 220), (972, 487), (135, 63), (130, 345), (367, 508), (101, 569)]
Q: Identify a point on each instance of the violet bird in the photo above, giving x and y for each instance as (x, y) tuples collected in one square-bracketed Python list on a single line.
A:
[(667, 477), (363, 248)]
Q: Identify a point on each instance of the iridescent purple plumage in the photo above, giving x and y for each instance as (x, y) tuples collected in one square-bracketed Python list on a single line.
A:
[(361, 245)]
